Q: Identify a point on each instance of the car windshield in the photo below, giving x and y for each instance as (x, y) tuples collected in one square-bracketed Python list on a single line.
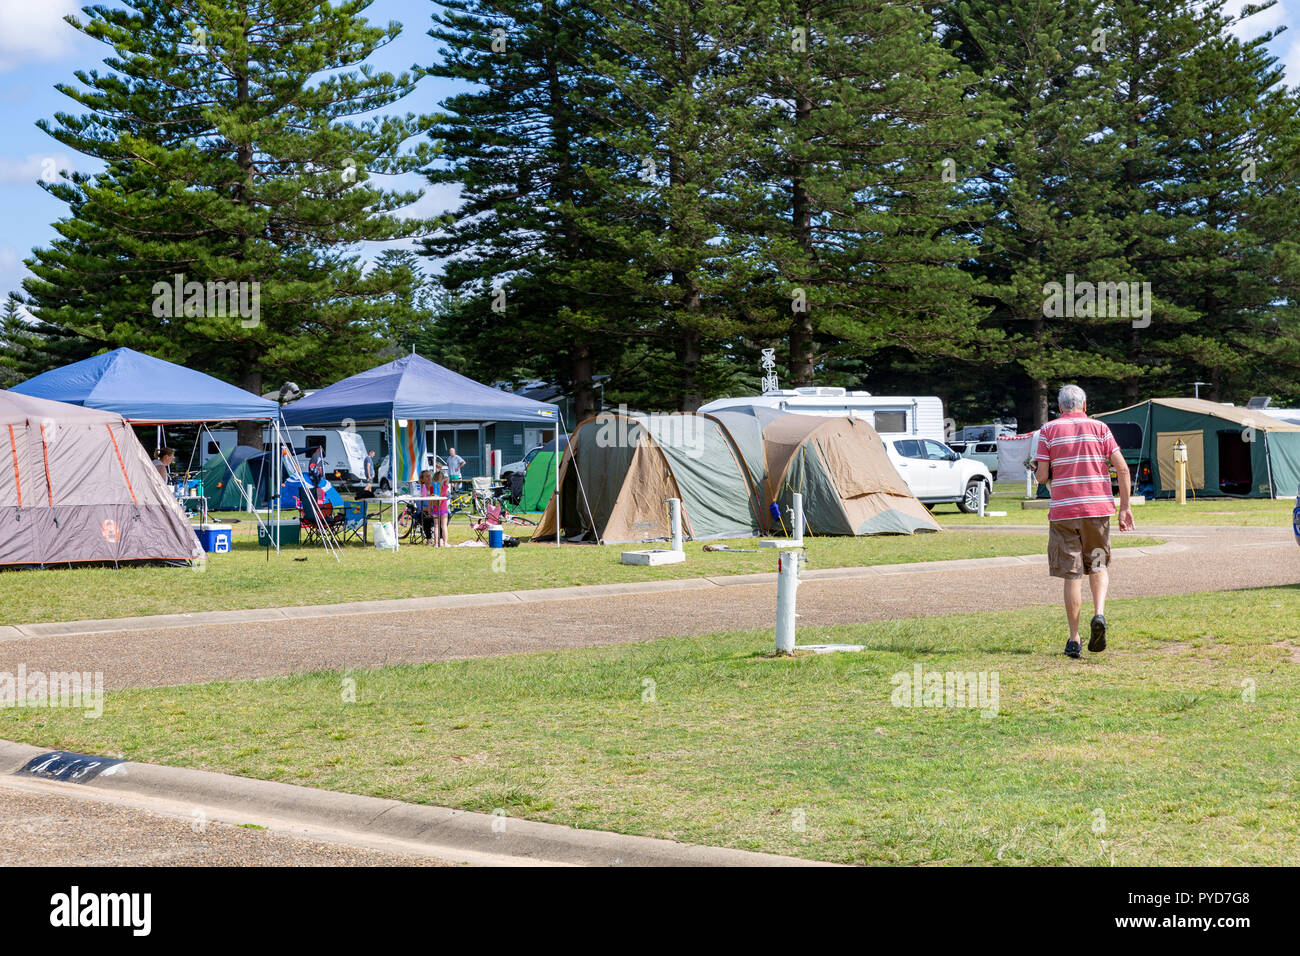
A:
[(531, 455)]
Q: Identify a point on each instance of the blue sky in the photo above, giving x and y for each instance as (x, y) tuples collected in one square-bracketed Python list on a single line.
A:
[(37, 50)]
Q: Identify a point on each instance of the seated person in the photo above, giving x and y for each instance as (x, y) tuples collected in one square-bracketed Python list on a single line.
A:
[(164, 464)]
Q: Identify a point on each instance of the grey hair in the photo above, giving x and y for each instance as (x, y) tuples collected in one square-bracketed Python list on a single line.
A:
[(1070, 398)]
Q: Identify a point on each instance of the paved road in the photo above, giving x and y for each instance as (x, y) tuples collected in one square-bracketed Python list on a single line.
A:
[(1196, 559), (50, 824)]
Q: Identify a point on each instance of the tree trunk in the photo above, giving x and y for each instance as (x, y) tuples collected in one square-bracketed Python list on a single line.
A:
[(801, 327), (688, 354), (580, 373), (1040, 406), (250, 433)]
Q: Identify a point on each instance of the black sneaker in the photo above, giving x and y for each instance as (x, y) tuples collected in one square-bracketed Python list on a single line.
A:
[(1097, 642), (1072, 649)]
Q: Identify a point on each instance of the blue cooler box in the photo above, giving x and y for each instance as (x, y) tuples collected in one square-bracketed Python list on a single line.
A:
[(214, 538), (496, 537)]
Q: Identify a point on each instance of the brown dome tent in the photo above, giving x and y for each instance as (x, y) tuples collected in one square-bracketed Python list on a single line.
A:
[(839, 465), (618, 469), (77, 486)]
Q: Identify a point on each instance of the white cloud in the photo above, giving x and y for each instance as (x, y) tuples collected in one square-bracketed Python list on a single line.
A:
[(46, 166), (12, 271), (1290, 61), (34, 30)]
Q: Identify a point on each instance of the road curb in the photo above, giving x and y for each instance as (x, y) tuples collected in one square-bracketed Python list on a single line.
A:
[(439, 831)]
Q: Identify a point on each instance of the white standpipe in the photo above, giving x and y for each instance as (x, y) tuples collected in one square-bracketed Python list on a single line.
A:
[(983, 495), (787, 581), (796, 518), (675, 522)]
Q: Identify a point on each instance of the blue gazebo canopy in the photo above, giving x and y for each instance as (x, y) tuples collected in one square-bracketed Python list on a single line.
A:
[(148, 391), (414, 388)]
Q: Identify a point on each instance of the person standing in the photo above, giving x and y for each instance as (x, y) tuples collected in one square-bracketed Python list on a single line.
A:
[(368, 470), (454, 464), (1074, 456), (441, 509)]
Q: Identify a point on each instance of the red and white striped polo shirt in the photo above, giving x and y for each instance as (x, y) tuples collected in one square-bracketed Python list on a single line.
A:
[(1078, 448)]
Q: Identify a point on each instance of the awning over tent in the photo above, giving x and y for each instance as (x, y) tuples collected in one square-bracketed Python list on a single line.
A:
[(148, 391), (412, 387)]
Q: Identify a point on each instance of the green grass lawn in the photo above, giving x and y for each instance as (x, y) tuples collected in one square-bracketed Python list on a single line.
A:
[(1179, 745), (249, 577), (1240, 512)]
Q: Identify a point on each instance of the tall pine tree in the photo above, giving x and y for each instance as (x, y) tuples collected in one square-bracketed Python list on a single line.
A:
[(241, 144)]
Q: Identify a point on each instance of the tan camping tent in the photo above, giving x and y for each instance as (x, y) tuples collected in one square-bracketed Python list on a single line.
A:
[(77, 486), (839, 466)]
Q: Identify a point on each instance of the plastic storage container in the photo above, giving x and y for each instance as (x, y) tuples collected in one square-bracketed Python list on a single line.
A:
[(214, 538)]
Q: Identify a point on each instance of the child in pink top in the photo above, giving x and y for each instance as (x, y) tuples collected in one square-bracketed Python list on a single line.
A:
[(441, 511)]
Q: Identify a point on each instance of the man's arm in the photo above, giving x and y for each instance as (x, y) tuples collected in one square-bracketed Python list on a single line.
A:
[(1043, 472), (1125, 486)]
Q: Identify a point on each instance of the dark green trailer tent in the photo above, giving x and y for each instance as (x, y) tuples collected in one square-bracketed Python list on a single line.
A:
[(1239, 452)]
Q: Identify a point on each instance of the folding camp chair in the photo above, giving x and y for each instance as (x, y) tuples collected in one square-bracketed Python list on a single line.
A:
[(481, 488), (491, 519), (354, 521), (310, 531)]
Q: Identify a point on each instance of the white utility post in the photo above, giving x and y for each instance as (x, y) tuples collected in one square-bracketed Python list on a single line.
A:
[(656, 556), (675, 522), (787, 582)]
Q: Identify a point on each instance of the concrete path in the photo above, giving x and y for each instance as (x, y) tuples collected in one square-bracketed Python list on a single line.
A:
[(141, 653), (52, 824), (141, 814)]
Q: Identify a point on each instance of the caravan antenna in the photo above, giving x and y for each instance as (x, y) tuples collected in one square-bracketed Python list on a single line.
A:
[(770, 383)]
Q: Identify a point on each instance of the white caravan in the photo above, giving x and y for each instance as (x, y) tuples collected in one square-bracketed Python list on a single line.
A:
[(345, 450), (915, 416)]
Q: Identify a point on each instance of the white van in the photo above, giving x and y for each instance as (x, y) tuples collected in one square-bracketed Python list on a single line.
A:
[(916, 416)]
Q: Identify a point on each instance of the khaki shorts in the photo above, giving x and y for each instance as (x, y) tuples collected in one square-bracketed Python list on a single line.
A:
[(1078, 545)]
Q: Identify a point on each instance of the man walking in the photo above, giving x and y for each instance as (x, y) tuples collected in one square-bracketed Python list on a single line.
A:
[(1073, 453)]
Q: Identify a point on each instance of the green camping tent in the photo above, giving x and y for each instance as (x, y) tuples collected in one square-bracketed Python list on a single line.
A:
[(618, 470), (226, 486), (1240, 452), (539, 482)]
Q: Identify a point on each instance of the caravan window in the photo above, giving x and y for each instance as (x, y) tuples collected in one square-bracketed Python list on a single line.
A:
[(214, 448), (891, 421), (314, 442)]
